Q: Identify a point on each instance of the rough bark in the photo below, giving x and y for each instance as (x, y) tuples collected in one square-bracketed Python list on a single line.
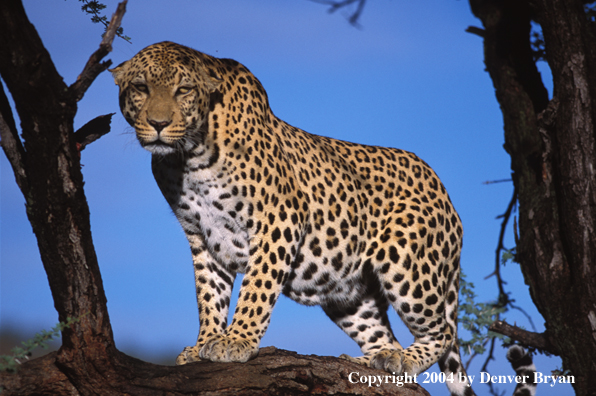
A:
[(273, 372), (48, 172), (53, 188), (553, 157)]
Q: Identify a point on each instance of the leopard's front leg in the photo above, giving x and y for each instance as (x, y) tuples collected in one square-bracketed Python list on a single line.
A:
[(214, 288), (262, 284)]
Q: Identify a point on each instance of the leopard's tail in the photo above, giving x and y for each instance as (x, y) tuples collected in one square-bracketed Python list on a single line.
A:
[(450, 363), (455, 373), (522, 363), (520, 360)]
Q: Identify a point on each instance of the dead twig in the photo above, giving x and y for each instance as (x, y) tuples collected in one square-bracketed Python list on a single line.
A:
[(93, 130), (93, 67), (336, 5)]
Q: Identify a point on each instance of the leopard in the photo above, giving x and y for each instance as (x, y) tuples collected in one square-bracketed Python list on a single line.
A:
[(349, 227)]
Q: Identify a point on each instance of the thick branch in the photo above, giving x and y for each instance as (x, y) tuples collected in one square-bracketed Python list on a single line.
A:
[(526, 338), (273, 372), (93, 130), (11, 143), (93, 68)]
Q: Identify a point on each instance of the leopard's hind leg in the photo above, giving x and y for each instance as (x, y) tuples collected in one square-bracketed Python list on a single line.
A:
[(366, 323), (365, 320), (428, 306)]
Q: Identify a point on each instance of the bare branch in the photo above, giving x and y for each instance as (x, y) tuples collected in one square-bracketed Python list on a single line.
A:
[(503, 296), (492, 389), (491, 355), (93, 67), (475, 30), (336, 5), (93, 130), (474, 354), (497, 181), (503, 299), (524, 337), (356, 15), (11, 143)]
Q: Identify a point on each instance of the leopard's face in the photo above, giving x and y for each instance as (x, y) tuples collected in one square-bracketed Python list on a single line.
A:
[(165, 96)]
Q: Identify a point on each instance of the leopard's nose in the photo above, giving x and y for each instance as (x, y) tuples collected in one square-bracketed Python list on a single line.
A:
[(158, 125)]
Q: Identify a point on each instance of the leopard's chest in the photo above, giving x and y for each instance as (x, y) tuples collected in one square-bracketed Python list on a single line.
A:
[(211, 207)]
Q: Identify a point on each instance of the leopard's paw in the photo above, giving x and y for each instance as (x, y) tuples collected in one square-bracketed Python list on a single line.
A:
[(189, 354), (363, 360), (392, 361), (221, 348)]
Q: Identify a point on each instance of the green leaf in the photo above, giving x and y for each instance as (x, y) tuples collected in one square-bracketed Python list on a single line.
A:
[(93, 8), (41, 339), (476, 317)]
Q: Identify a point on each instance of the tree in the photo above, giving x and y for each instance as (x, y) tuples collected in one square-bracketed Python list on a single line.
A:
[(47, 169), (553, 157)]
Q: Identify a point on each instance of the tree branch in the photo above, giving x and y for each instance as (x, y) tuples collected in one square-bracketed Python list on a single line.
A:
[(93, 130), (476, 30), (93, 67), (273, 372), (11, 142), (336, 5), (524, 337), (503, 296)]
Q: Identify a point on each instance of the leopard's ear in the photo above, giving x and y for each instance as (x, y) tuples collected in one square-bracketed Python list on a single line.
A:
[(118, 73), (212, 78)]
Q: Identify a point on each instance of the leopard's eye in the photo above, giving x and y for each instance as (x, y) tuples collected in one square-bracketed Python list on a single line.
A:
[(141, 87), (183, 90)]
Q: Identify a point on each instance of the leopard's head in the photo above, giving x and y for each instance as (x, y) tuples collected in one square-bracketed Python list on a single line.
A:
[(165, 94)]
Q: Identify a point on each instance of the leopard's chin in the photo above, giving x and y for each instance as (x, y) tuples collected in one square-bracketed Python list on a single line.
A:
[(159, 148)]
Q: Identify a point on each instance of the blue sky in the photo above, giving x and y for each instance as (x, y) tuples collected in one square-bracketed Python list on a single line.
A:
[(411, 78)]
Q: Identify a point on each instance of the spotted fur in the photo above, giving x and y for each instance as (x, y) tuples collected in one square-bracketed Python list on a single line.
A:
[(523, 364), (352, 228)]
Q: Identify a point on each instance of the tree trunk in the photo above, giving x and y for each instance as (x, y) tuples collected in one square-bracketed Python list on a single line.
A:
[(47, 169), (53, 188), (553, 158)]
